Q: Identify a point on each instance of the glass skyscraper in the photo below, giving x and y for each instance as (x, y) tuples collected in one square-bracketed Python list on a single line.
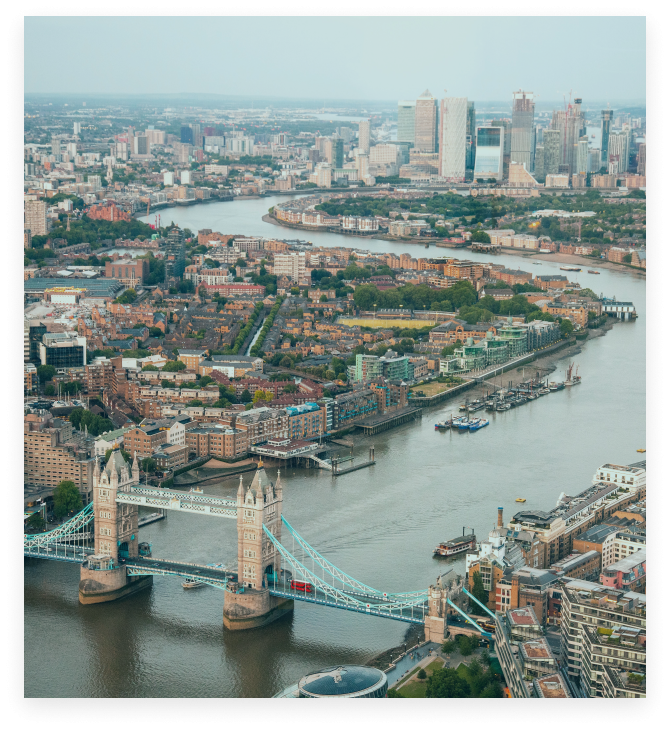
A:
[(453, 125), (605, 127), (489, 153), (406, 113)]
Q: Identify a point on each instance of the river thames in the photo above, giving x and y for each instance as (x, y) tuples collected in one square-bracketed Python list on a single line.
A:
[(378, 524)]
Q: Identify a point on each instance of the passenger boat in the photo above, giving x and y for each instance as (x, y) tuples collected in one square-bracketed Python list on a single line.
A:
[(192, 583), (520, 499), (478, 423), (593, 271), (455, 546)]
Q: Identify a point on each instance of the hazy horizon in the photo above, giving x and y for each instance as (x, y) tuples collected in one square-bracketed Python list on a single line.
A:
[(358, 59)]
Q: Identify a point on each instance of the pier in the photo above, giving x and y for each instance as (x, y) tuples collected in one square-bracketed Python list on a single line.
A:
[(336, 466), (376, 424), (151, 517)]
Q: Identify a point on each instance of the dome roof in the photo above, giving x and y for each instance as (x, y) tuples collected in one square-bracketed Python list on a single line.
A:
[(342, 680)]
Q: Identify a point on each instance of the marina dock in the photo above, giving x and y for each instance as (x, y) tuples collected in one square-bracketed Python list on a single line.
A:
[(376, 424)]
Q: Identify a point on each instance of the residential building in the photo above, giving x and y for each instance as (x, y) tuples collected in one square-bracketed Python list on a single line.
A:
[(291, 265), (628, 574), (523, 129), (452, 132), (35, 217), (364, 136), (425, 123), (192, 358), (642, 159), (175, 253), (618, 151), (589, 611)]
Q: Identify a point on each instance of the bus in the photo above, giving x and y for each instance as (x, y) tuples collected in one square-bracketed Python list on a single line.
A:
[(298, 585), (487, 625)]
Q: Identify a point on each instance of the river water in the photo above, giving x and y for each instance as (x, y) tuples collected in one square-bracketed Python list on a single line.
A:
[(378, 524)]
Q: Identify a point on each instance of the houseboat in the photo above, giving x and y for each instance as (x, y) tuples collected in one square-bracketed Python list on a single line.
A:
[(456, 546)]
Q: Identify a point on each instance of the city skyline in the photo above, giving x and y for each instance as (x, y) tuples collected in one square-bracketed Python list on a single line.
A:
[(583, 69)]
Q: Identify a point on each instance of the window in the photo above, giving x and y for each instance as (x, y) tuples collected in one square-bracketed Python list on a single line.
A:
[(104, 495), (105, 531), (105, 515)]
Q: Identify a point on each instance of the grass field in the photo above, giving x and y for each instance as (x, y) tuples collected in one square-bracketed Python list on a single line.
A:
[(385, 323), (417, 687), (433, 388)]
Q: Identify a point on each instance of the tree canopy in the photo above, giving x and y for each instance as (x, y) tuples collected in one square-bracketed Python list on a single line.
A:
[(67, 499)]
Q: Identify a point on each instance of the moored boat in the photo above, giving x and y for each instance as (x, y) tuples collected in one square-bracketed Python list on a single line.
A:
[(442, 425), (570, 268), (593, 271), (478, 423), (503, 406), (455, 546), (520, 499)]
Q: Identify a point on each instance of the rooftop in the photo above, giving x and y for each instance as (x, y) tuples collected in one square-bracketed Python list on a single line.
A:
[(523, 617), (536, 649), (551, 686)]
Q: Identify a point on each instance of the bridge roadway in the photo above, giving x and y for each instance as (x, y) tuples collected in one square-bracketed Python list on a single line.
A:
[(59, 551), (193, 502), (373, 606), (217, 577)]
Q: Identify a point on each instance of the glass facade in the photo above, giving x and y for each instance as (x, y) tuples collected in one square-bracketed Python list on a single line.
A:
[(489, 152), (406, 112)]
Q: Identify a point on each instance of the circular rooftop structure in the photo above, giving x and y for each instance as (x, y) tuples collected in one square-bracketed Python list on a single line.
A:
[(344, 681)]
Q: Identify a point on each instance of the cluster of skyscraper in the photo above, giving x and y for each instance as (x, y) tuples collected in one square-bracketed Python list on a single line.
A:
[(449, 129)]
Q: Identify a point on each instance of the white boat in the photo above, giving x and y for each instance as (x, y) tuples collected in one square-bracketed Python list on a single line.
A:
[(192, 583)]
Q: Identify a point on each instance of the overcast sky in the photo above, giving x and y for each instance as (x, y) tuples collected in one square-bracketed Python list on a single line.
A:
[(485, 59)]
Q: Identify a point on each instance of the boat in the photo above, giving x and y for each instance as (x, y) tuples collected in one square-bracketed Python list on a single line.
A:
[(442, 425), (195, 490), (455, 422), (556, 386), (192, 583), (456, 546), (503, 406), (520, 499), (593, 271), (570, 268), (571, 379), (543, 391), (642, 451), (464, 424), (478, 423)]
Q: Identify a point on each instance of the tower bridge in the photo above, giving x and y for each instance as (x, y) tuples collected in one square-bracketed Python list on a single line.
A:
[(275, 565)]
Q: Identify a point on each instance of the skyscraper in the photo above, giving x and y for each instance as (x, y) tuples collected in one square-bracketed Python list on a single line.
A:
[(174, 253), (35, 217), (406, 112), (605, 126), (186, 135), (453, 124), (523, 126), (364, 136), (552, 151), (425, 123), (642, 159), (471, 132), (507, 151), (489, 153), (539, 162), (338, 152), (571, 125), (581, 156)]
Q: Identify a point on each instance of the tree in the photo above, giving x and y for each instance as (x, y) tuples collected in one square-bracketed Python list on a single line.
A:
[(480, 593), (126, 455), (66, 499), (627, 258), (262, 395), (323, 298), (291, 388), (49, 389), (174, 366), (45, 372), (480, 237), (149, 368), (205, 380), (166, 383), (156, 332), (245, 397), (128, 297), (447, 682), (566, 327), (286, 362), (465, 645), (448, 647), (196, 402), (36, 521), (148, 464), (421, 674)]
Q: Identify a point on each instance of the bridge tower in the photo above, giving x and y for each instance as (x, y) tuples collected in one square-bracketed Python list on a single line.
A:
[(247, 603), (103, 578)]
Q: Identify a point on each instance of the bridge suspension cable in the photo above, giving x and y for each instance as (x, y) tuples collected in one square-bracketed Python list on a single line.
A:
[(67, 542), (342, 598), (340, 575)]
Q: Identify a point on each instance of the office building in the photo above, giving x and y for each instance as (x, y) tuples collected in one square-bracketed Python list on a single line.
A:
[(364, 136), (406, 112), (185, 177), (452, 132), (618, 151), (35, 217), (506, 125), (605, 128), (168, 179), (76, 128), (523, 129), (594, 161), (539, 162), (140, 145), (187, 135), (425, 123), (174, 253), (384, 160), (552, 151), (489, 153), (63, 350)]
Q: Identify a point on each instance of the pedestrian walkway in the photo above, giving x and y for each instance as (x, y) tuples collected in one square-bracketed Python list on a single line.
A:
[(422, 656)]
